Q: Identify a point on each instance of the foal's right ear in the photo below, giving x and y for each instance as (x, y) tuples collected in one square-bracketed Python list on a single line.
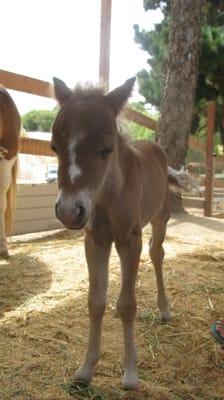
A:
[(119, 96), (61, 91)]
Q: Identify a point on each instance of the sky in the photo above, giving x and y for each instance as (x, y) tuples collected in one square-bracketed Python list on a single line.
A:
[(46, 38)]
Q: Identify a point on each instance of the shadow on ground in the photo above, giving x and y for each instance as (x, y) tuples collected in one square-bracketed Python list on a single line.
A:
[(177, 361), (22, 277), (210, 223)]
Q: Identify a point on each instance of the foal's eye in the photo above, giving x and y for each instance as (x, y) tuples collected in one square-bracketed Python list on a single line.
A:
[(103, 153)]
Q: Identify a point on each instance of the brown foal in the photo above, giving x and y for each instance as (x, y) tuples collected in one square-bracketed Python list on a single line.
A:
[(112, 187)]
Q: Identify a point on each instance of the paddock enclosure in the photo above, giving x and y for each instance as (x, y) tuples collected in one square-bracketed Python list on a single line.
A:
[(43, 325)]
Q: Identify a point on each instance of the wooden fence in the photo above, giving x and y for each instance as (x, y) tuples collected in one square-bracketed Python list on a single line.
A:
[(35, 208), (213, 201), (45, 89), (41, 147)]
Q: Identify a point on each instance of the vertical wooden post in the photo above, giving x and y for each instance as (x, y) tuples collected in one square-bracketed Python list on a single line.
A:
[(105, 27), (210, 165)]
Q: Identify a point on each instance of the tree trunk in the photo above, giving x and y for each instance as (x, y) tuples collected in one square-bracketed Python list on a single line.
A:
[(178, 101)]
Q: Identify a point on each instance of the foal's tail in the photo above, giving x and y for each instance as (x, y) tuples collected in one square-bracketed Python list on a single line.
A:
[(10, 198), (181, 180)]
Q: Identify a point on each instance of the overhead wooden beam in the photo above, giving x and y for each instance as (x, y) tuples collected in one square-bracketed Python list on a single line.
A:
[(26, 84), (105, 30), (38, 87)]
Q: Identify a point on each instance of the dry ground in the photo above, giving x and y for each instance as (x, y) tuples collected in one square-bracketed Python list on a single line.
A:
[(43, 318)]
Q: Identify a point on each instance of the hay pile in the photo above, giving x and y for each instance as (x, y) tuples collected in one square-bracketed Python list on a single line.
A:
[(43, 318)]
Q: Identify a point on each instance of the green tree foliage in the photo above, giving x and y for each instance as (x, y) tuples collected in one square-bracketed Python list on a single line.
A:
[(211, 66), (155, 43), (39, 120), (211, 63), (164, 5), (151, 83)]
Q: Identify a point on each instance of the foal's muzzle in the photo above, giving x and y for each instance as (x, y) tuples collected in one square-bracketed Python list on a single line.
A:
[(72, 212)]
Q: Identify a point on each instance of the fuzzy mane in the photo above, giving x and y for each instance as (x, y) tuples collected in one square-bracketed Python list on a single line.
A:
[(85, 91)]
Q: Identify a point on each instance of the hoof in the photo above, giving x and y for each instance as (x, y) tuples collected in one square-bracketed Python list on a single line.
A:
[(165, 314), (83, 375), (166, 318), (130, 381)]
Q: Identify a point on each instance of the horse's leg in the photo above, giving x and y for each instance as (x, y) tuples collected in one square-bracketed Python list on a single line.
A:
[(97, 256), (5, 179), (157, 255), (129, 253)]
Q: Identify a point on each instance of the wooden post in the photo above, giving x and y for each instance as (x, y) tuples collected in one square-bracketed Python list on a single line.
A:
[(105, 26), (210, 164)]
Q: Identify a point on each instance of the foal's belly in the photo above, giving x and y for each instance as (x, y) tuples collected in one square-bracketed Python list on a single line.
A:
[(154, 181), (151, 205)]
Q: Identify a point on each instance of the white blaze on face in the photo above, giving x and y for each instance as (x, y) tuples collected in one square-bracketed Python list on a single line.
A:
[(74, 170)]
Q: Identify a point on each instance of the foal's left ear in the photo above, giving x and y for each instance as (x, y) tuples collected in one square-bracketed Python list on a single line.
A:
[(118, 97), (61, 91)]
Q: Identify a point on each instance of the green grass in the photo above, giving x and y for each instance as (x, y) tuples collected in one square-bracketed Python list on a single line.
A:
[(81, 390)]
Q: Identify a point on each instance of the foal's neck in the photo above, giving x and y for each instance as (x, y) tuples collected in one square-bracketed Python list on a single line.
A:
[(115, 176)]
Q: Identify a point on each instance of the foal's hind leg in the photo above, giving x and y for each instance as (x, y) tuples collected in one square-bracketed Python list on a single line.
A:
[(97, 256), (157, 255)]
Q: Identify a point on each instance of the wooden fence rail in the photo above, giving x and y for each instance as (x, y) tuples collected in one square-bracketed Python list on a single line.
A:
[(38, 87), (40, 147), (26, 84)]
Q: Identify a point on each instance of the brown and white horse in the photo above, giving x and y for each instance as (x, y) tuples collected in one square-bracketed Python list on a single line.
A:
[(9, 145), (112, 187)]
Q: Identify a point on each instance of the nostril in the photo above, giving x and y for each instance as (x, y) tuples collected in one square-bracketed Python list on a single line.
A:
[(80, 211)]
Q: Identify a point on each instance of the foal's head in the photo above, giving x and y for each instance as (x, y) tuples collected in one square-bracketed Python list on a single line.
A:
[(84, 138)]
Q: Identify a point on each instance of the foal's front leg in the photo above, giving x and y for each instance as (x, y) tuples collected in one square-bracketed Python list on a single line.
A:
[(97, 256), (129, 253)]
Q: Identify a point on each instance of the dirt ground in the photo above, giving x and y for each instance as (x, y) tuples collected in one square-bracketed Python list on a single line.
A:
[(44, 320)]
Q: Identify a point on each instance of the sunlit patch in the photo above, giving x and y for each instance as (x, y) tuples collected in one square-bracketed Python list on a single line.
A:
[(4, 261)]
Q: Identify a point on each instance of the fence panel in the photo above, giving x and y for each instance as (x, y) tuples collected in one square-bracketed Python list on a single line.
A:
[(35, 208)]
